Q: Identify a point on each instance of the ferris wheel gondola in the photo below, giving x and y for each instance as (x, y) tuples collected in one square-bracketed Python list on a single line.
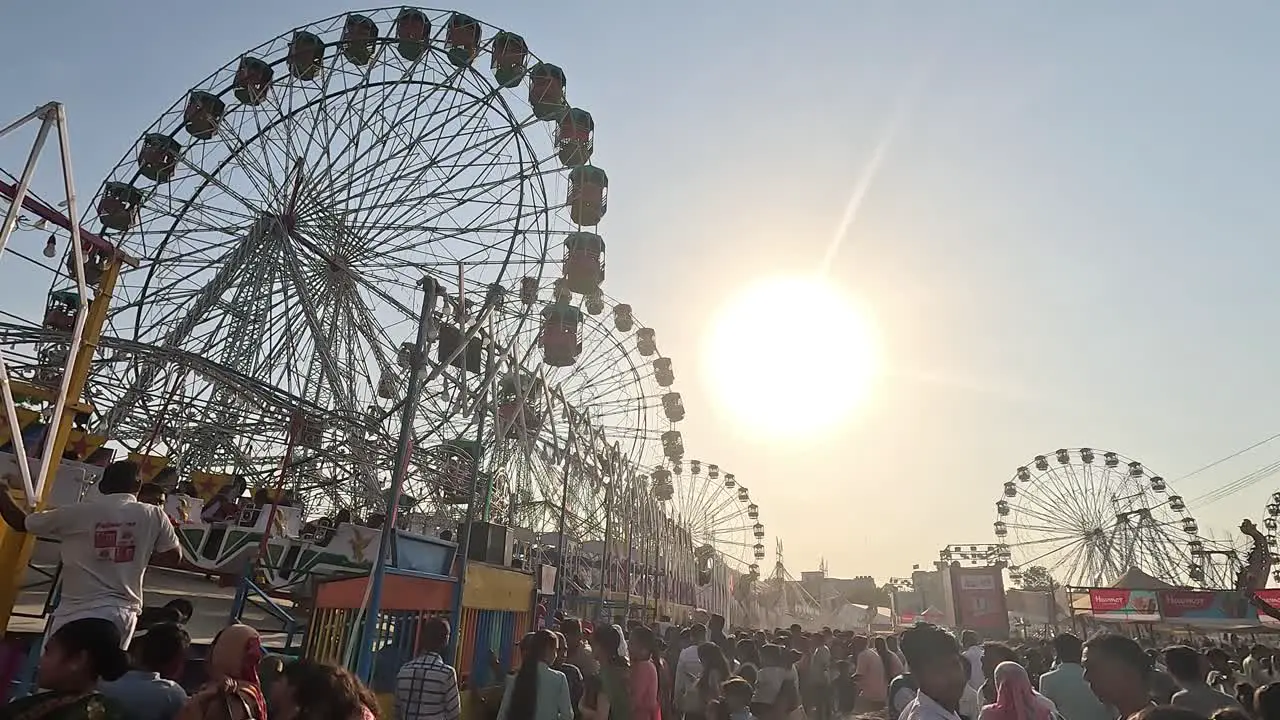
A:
[(1089, 515)]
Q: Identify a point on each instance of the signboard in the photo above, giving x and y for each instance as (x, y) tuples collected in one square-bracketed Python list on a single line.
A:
[(1206, 605), (978, 597), (1119, 605)]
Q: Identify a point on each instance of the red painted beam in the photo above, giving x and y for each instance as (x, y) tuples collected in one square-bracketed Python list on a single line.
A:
[(48, 214)]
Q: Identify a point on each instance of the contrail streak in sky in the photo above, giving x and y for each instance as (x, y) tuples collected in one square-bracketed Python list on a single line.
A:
[(901, 111)]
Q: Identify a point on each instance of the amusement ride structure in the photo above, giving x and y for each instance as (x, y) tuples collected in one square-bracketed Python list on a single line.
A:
[(351, 284)]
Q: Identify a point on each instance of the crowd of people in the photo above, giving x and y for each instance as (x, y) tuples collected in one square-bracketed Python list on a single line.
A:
[(661, 671), (94, 666)]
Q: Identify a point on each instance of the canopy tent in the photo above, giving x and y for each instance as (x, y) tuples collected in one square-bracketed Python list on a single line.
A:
[(1136, 579)]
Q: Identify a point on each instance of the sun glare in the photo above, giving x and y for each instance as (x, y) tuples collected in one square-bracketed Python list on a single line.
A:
[(790, 356)]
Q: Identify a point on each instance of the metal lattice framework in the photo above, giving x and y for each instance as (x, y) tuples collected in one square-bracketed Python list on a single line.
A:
[(287, 211), (1089, 515)]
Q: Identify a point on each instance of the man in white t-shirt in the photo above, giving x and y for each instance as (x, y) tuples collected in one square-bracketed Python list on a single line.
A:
[(106, 544)]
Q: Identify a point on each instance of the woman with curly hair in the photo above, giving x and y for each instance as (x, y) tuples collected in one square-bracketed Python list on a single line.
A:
[(310, 690)]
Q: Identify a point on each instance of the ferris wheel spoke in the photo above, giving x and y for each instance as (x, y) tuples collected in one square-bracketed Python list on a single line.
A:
[(1066, 494), (1051, 520), (1044, 511)]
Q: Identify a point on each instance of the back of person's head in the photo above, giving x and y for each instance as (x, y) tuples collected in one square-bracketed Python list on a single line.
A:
[(536, 648), (738, 691), (717, 622), (924, 643), (81, 653), (434, 635), (859, 643), (968, 637), (1266, 702), (1230, 713), (1183, 663), (1168, 712), (1245, 695), (183, 607), (698, 633), (607, 642), (1122, 650), (891, 642), (320, 691), (163, 649), (120, 476), (1068, 648), (571, 627)]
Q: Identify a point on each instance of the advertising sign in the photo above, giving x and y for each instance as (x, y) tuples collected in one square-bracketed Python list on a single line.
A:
[(1119, 605), (1206, 605), (979, 600), (1272, 598)]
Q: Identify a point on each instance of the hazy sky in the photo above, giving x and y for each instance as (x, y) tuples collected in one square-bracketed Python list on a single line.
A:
[(1070, 240)]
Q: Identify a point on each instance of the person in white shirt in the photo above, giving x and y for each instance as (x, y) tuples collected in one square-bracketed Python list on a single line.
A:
[(973, 651), (937, 668), (105, 544), (688, 665)]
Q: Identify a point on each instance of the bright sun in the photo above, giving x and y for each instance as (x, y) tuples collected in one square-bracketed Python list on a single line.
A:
[(790, 356)]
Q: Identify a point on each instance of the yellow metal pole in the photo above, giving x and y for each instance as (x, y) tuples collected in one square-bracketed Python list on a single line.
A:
[(15, 547)]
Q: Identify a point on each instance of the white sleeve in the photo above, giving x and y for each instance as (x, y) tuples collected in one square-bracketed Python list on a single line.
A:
[(167, 537)]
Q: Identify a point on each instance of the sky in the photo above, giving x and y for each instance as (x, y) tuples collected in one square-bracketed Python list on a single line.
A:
[(1068, 241)]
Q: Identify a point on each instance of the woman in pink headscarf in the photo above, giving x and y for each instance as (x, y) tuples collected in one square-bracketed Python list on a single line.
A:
[(1015, 698)]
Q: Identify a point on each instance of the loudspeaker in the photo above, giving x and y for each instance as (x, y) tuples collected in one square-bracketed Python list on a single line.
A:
[(490, 543)]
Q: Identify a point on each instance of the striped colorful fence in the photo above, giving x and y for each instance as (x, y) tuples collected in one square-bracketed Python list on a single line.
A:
[(485, 636)]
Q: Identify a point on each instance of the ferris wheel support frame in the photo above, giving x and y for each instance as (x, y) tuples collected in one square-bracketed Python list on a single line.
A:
[(16, 547), (364, 662)]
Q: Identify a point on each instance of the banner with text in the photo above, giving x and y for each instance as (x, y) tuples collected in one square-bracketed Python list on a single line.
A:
[(1206, 605), (1119, 605)]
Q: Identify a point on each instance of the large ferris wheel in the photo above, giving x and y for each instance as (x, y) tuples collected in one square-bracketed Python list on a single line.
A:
[(1089, 515), (291, 210), (288, 210)]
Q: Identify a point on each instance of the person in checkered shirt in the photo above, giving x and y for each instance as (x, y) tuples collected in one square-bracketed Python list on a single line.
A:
[(427, 687)]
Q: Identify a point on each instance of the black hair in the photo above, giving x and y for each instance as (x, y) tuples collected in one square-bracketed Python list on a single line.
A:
[(923, 642), (327, 692), (1266, 702), (610, 641), (1229, 713), (183, 606), (434, 635), (715, 668), (1183, 663), (747, 651), (571, 626), (968, 637), (120, 476), (1168, 712), (697, 629), (737, 686), (1068, 648), (1123, 649), (99, 641), (643, 637), (524, 689), (161, 646)]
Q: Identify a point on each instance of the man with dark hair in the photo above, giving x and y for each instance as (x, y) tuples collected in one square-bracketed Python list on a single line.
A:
[(688, 665), (936, 667), (149, 690), (105, 544), (1119, 672), (1065, 684), (1188, 670), (427, 687), (993, 653)]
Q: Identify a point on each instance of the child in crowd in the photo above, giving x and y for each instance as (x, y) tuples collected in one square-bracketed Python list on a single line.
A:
[(845, 689)]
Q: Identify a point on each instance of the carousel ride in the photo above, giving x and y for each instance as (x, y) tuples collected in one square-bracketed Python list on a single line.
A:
[(298, 218)]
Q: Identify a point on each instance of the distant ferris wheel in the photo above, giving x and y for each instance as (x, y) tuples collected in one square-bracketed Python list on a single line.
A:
[(1089, 515), (716, 510)]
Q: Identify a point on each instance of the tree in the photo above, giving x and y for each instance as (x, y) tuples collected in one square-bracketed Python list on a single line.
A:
[(1037, 577)]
